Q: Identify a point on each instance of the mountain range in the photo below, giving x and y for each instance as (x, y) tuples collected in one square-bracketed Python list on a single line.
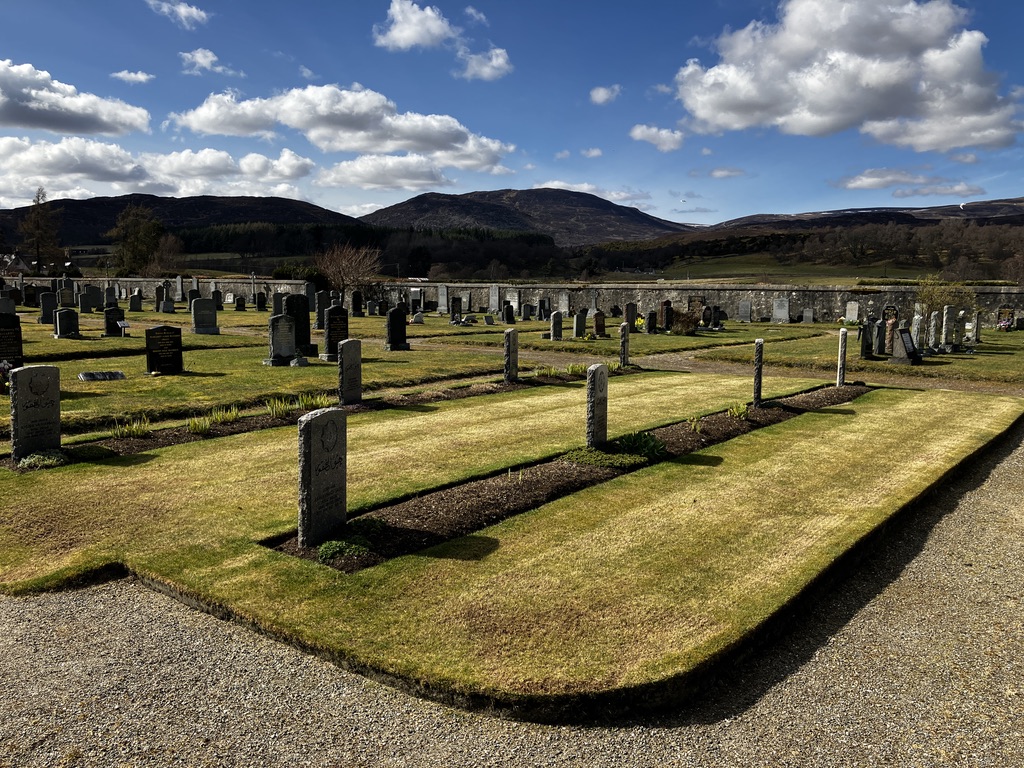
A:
[(570, 218)]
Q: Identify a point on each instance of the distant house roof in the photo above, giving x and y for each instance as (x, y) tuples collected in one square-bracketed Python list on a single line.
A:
[(13, 262)]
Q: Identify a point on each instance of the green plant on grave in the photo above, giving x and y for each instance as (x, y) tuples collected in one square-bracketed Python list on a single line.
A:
[(224, 415), (355, 546), (310, 401), (199, 425), (740, 411), (614, 367), (695, 423), (642, 444), (548, 371), (576, 369), (44, 460), (279, 407), (594, 457), (137, 427)]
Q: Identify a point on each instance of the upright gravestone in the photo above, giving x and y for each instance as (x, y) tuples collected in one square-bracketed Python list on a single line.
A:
[(417, 319), (665, 314), (442, 299), (599, 324), (112, 319), (904, 352), (456, 309), (716, 316), (758, 371), (66, 298), (218, 300), (323, 301), (30, 296), (204, 317), (946, 343), (159, 294), (745, 311), (12, 351), (651, 323), (879, 338), (917, 330), (976, 336), (350, 371), (35, 410), (371, 307), (322, 474), (65, 324), (261, 301), (335, 322), (865, 335), (281, 333), (135, 302), (841, 364), (511, 349), (631, 315), (808, 315), (278, 302), (508, 315), (624, 345), (493, 298), (597, 405), (394, 331), (179, 289), (163, 350), (579, 324), (556, 326), (297, 306), (85, 304), (240, 304), (193, 294), (7, 306), (109, 296), (852, 311), (47, 306), (357, 304), (780, 310), (707, 317)]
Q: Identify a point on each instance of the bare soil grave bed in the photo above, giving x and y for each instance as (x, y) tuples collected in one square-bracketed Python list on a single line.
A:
[(433, 518)]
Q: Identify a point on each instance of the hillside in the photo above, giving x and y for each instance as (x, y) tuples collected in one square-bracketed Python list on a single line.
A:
[(571, 218)]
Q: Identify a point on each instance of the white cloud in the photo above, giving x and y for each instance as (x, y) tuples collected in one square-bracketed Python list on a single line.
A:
[(410, 26), (132, 78), (69, 158), (592, 152), (625, 196), (204, 60), (706, 151), (348, 120), (967, 158), (602, 95), (562, 154), (289, 166), (475, 15), (31, 98), (905, 73), (184, 15), (960, 189), (204, 164), (411, 172), (492, 65), (880, 178), (719, 173), (664, 139), (307, 73)]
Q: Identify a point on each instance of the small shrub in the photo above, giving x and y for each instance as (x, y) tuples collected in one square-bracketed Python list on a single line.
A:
[(199, 425), (134, 428), (576, 369), (695, 424), (224, 415), (739, 411), (642, 444), (44, 460), (614, 367), (685, 323), (548, 371), (310, 401), (366, 528), (355, 545), (279, 407)]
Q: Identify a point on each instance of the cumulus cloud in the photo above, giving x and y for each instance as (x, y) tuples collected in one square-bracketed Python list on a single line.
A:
[(184, 15), (602, 95), (355, 119), (307, 73), (726, 173), (410, 26), (591, 152), (411, 172), (626, 196), (907, 74), (204, 60), (920, 185), (289, 166), (70, 158), (880, 178), (31, 98), (132, 78), (664, 139)]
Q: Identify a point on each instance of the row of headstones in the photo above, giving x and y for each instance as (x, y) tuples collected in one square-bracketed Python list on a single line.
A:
[(904, 342)]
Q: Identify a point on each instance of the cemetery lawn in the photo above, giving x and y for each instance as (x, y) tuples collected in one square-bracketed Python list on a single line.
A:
[(626, 584), (999, 357)]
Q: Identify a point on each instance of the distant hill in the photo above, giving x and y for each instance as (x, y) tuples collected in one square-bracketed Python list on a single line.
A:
[(571, 218), (86, 221)]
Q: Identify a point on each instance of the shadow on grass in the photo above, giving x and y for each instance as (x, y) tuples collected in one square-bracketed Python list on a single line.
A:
[(698, 460), (200, 374), (472, 547), (806, 627)]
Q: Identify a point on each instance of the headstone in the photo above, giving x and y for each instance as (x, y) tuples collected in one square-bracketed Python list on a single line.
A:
[(261, 301), (179, 288), (917, 330), (204, 317), (323, 301), (195, 283), (394, 331), (159, 295), (556, 326), (866, 335), (30, 296), (946, 343), (47, 306), (780, 310), (758, 371), (493, 298), (808, 315), (278, 302), (66, 298), (878, 347), (240, 304), (707, 317), (101, 376), (35, 410), (14, 295), (511, 349), (297, 305), (716, 317), (309, 289), (1006, 318), (841, 364), (853, 311), (488, 319), (218, 300), (281, 333), (371, 307), (904, 352), (335, 331), (624, 345), (167, 307), (111, 319), (508, 315), (65, 324), (599, 324), (456, 308), (976, 335), (84, 303), (579, 324), (631, 315), (651, 323), (322, 474), (163, 350), (933, 332), (442, 299), (665, 314), (597, 405), (350, 371), (417, 319), (12, 350), (382, 308), (135, 302), (745, 311), (357, 304)]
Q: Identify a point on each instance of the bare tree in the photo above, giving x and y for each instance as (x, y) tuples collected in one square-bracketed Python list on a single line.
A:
[(39, 230), (166, 256), (346, 266)]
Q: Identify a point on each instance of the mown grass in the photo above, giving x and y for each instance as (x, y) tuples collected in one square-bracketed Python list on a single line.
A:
[(1000, 357)]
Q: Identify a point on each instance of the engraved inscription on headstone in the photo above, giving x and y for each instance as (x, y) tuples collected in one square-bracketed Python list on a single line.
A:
[(163, 350), (322, 475), (35, 410)]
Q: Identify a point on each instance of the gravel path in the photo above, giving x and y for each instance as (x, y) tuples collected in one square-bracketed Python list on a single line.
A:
[(915, 660)]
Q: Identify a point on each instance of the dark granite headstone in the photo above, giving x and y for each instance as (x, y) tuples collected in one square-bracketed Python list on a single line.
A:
[(12, 350), (651, 323), (395, 336), (111, 318), (335, 331), (357, 304), (163, 350), (296, 305)]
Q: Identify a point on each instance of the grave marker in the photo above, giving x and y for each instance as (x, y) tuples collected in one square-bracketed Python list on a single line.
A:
[(335, 331), (163, 350), (511, 350), (556, 326), (597, 405), (624, 345), (322, 475), (12, 350), (204, 317), (111, 322), (281, 333), (780, 310), (758, 371), (350, 371), (65, 324), (35, 410), (841, 364), (394, 331)]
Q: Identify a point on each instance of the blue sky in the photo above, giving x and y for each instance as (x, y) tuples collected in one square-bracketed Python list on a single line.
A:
[(693, 112)]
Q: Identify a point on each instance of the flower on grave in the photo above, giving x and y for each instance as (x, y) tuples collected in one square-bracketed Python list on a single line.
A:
[(1003, 325)]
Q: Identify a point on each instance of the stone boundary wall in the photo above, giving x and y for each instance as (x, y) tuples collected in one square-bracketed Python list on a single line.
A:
[(237, 286), (828, 302)]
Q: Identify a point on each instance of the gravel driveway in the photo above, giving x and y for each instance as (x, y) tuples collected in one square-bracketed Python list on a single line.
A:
[(915, 660)]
